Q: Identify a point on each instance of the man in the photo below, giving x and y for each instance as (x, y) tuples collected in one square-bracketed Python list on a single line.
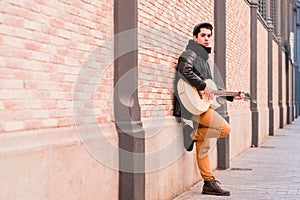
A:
[(194, 68)]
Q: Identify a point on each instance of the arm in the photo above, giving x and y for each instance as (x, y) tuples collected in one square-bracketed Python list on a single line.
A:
[(185, 68), (228, 98)]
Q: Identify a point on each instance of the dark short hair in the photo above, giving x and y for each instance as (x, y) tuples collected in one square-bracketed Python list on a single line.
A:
[(197, 28)]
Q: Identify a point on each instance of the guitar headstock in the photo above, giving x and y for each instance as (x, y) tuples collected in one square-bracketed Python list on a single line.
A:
[(243, 96), (247, 97)]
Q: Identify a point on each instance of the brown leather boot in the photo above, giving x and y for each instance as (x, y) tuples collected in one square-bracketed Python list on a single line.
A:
[(212, 187)]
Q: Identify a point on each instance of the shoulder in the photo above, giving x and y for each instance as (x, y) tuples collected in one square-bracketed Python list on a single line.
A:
[(188, 55)]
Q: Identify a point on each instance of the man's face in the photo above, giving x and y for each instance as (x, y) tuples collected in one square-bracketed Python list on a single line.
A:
[(204, 37)]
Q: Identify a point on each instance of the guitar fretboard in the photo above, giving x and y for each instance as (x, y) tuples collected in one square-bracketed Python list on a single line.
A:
[(224, 93)]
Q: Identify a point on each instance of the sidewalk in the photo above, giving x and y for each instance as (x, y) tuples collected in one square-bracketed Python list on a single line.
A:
[(271, 171)]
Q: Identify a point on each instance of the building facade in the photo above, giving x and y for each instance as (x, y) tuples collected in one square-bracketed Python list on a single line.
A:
[(296, 55), (87, 92)]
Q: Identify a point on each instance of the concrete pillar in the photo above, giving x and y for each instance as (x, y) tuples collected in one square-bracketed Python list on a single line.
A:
[(220, 60), (253, 73), (280, 45), (126, 106), (270, 67)]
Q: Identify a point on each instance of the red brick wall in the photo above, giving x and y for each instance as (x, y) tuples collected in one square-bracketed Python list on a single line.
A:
[(164, 29), (237, 49), (275, 73), (262, 65), (48, 49), (44, 45), (284, 85), (275, 76)]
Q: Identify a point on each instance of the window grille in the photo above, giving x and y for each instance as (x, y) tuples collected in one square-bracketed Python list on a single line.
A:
[(274, 16), (283, 17), (262, 8)]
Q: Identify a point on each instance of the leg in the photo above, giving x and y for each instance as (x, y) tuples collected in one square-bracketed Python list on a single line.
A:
[(202, 149), (211, 125), (210, 184)]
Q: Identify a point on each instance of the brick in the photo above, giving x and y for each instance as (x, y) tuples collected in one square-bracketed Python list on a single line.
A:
[(13, 21), (31, 46), (40, 1), (49, 123), (32, 25), (57, 23), (22, 115), (65, 122), (13, 126), (63, 104), (11, 84), (32, 124), (49, 11), (13, 42)]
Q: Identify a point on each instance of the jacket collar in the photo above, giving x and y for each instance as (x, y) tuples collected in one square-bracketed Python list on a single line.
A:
[(200, 50)]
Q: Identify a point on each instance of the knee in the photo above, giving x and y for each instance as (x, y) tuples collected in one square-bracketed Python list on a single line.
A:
[(228, 129), (225, 130)]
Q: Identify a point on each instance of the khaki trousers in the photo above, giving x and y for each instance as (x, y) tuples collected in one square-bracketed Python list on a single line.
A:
[(210, 125)]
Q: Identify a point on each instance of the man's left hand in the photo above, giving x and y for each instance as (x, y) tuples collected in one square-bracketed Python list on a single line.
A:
[(240, 96)]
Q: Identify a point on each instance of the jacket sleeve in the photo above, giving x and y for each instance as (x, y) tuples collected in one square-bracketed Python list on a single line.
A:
[(228, 98), (185, 68)]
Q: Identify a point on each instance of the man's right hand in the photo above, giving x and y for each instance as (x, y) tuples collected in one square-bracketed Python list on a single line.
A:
[(207, 93)]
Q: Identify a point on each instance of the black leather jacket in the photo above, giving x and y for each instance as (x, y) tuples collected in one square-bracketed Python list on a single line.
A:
[(193, 67)]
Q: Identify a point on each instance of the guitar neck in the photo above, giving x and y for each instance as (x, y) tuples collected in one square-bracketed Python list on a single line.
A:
[(224, 93)]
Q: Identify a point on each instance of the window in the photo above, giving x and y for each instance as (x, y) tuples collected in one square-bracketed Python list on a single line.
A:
[(262, 8), (274, 15)]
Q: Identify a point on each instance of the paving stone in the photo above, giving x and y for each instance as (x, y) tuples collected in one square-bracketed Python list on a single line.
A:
[(274, 174)]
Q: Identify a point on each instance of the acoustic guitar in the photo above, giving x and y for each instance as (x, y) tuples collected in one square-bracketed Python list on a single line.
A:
[(196, 102)]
